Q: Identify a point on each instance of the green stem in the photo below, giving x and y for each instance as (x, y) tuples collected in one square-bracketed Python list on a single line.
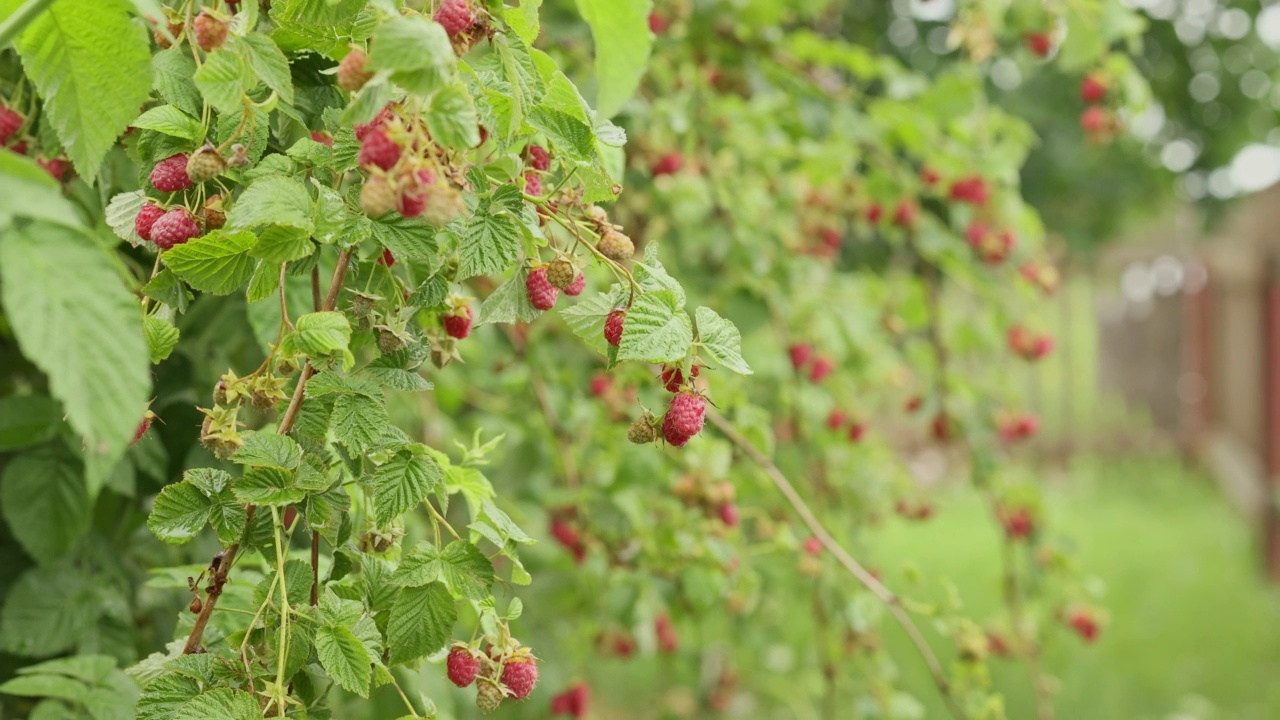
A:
[(20, 19)]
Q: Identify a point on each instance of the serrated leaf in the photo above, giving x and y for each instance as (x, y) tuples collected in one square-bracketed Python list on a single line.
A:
[(264, 283), (273, 200), (162, 696), (586, 318), (489, 242), (45, 503), (523, 20), (417, 52), (267, 62), (452, 120), (281, 244), (92, 65), (406, 238), (168, 289), (31, 192), (620, 29), (651, 275), (162, 338), (431, 293), (181, 511), (170, 120), (209, 481), (220, 704), (227, 516), (721, 340), (421, 622), (267, 486), (267, 449), (319, 335), (297, 582), (569, 135), (174, 70), (217, 263), (398, 379), (509, 303), (121, 213), (345, 658), (403, 482), (76, 321), (224, 79), (357, 421), (655, 331), (46, 611)]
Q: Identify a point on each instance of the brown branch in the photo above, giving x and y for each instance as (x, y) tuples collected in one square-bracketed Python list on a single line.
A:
[(317, 305), (861, 574), (223, 561)]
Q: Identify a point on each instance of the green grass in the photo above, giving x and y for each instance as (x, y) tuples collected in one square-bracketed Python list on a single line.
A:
[(1193, 632)]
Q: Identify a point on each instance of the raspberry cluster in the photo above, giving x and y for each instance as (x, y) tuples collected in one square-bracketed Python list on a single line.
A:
[(991, 246), (1029, 345), (405, 170)]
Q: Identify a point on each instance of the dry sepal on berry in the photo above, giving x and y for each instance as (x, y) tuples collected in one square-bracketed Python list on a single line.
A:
[(462, 665), (147, 217), (616, 246), (613, 327), (542, 295), (457, 323), (210, 32), (352, 74), (205, 164), (560, 273), (170, 175), (684, 418), (173, 228)]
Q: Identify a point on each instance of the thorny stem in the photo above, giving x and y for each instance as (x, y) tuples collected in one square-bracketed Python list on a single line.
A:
[(861, 574), (218, 575)]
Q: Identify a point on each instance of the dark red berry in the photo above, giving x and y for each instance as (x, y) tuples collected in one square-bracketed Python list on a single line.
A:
[(539, 158), (729, 514), (972, 190), (836, 419), (874, 213), (668, 164), (857, 431), (379, 121), (657, 23), (147, 217), (572, 702), (56, 167), (210, 32), (904, 215), (542, 294), (600, 384), (462, 666), (800, 354), (170, 175), (386, 259), (613, 327), (576, 287), (10, 123), (668, 640), (173, 228), (458, 323), (1093, 89), (454, 16), (533, 184), (822, 367), (1085, 625), (1040, 43), (520, 675), (378, 150), (684, 418)]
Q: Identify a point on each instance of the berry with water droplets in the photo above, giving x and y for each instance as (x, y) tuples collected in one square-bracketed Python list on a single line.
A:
[(576, 287), (352, 74), (173, 228), (613, 327), (561, 273), (209, 31), (520, 675), (462, 666), (454, 16), (539, 158), (542, 295), (147, 217), (170, 175), (457, 324)]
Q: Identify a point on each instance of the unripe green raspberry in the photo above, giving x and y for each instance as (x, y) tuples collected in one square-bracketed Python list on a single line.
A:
[(644, 430), (616, 246), (561, 273)]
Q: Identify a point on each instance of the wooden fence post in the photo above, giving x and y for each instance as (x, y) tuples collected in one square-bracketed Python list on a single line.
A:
[(1271, 420)]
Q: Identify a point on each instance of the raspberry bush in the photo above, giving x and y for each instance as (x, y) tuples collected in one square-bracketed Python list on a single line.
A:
[(291, 392)]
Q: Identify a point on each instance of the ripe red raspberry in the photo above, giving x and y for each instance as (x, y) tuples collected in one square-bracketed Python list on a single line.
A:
[(972, 189), (673, 377), (147, 217), (813, 546), (458, 323), (668, 164), (322, 137), (564, 533), (613, 327), (830, 238), (386, 259), (729, 515), (173, 228), (1040, 43), (904, 216), (462, 666), (572, 702), (874, 213), (1017, 523), (1028, 425), (210, 32), (542, 295), (378, 150), (170, 175), (454, 16), (10, 122), (539, 158), (822, 367), (800, 355), (1085, 625), (352, 74), (600, 384), (684, 417), (379, 121), (576, 287), (929, 176), (1095, 120), (56, 167), (836, 419), (658, 24), (1093, 89), (857, 431), (913, 403), (520, 674), (533, 184), (943, 428), (668, 640)]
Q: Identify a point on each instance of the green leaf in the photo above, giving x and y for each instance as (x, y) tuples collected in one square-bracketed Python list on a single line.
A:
[(416, 50), (397, 378), (403, 482), (421, 622), (267, 449), (466, 570), (162, 338), (267, 486), (27, 420), (655, 331), (217, 263), (273, 200), (46, 611), (174, 72), (121, 213), (490, 242), (29, 191), (345, 658), (319, 335), (406, 238), (227, 516), (164, 695), (586, 318), (297, 583), (220, 704), (509, 303), (168, 289), (281, 244), (721, 340), (45, 502), (452, 119), (76, 321), (210, 481), (570, 136), (180, 512), (267, 62), (358, 421), (431, 293), (51, 686), (92, 65), (620, 29), (320, 25), (89, 668), (224, 79), (170, 120), (651, 275), (523, 20)]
